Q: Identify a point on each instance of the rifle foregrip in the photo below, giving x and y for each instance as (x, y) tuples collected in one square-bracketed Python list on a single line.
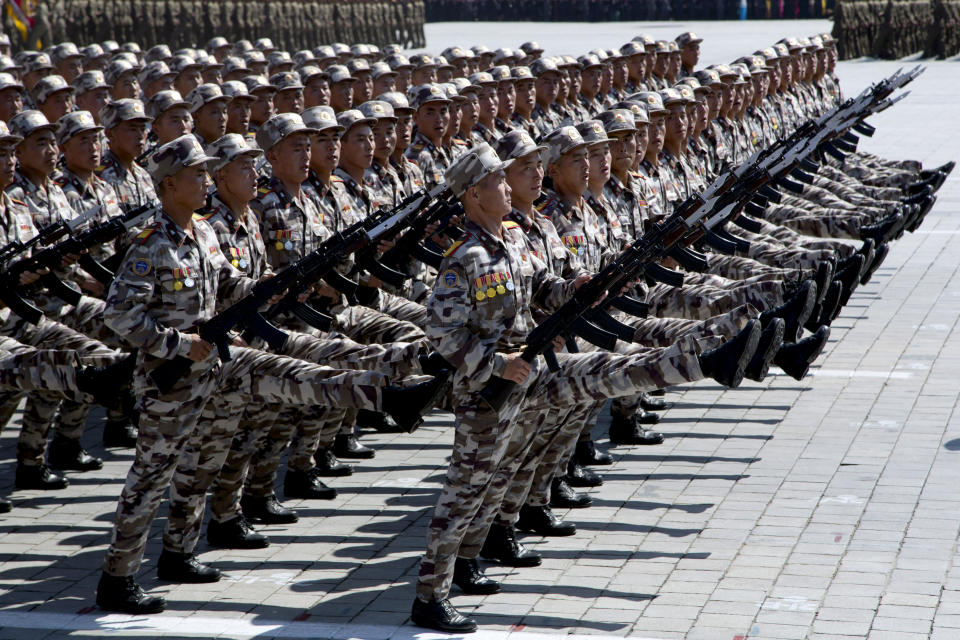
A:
[(496, 393), (865, 129), (551, 358)]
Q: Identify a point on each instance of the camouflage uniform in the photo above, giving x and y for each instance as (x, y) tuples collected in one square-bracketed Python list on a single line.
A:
[(133, 187), (430, 159)]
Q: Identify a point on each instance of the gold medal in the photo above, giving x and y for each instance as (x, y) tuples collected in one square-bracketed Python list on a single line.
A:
[(501, 289), (235, 263), (480, 295), (279, 246), (491, 293), (177, 285)]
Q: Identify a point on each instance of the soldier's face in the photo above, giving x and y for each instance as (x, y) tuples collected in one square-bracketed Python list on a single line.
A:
[(599, 157), (506, 99), (187, 188), (239, 178), (547, 87), (384, 139), (356, 147), (341, 95), (11, 103), (620, 72), (212, 75), (590, 80), (384, 84), (493, 196), (661, 63), (469, 112), (70, 68), (526, 96), (461, 68), (456, 115), (433, 119), (288, 101), (363, 87), (674, 66), (128, 139), (404, 78), (187, 80), (525, 177), (8, 164), (93, 101), (642, 138), (657, 130), (573, 84), (38, 152), (676, 122), (424, 75), (571, 173), (126, 86), (445, 74), (713, 103), (210, 120), (636, 65), (262, 109), (316, 93), (325, 150), (702, 114), (173, 123), (290, 158), (623, 151), (82, 152), (488, 102), (57, 105), (690, 54), (404, 130)]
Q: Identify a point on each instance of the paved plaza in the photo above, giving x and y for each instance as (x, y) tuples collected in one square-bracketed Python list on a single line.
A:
[(827, 508)]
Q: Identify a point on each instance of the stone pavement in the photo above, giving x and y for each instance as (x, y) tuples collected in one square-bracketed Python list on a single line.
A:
[(821, 509)]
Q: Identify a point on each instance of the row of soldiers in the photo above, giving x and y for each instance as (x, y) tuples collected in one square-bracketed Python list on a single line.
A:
[(558, 163), (897, 28), (291, 23)]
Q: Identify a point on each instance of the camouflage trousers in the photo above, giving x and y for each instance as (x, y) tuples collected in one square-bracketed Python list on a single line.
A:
[(402, 309), (171, 423), (850, 188), (747, 269), (488, 448), (24, 368), (791, 238), (42, 406), (702, 299), (773, 252)]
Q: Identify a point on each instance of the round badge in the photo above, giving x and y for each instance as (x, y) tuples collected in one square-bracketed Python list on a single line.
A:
[(501, 289), (177, 285), (189, 282), (235, 263), (491, 293), (288, 245), (279, 246), (480, 295), (510, 286), (243, 264)]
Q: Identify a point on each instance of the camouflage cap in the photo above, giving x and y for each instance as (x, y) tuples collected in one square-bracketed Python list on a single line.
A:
[(687, 37), (391, 49), (304, 57), (129, 47), (426, 93), (646, 40), (398, 61), (421, 60), (264, 44), (258, 83), (442, 63), (663, 46), (505, 55), (64, 51), (159, 52), (360, 49), (7, 81), (396, 100), (521, 73), (90, 80), (154, 71), (686, 92), (793, 45), (543, 66), (614, 120), (757, 66), (110, 46), (216, 42), (671, 96), (75, 123), (233, 63), (378, 110), (48, 86), (638, 109), (236, 90), (694, 83), (481, 50), (242, 46), (354, 118), (593, 133), (380, 69), (633, 49), (205, 94), (6, 136), (181, 63), (321, 119), (30, 121), (309, 72), (561, 141), (817, 44), (500, 73), (588, 61), (4, 40), (279, 58), (482, 78), (279, 127), (471, 167), (709, 78), (464, 87), (516, 144), (254, 56), (122, 111), (806, 43), (742, 73), (358, 65), (227, 149), (7, 64), (672, 47), (325, 52), (37, 62), (92, 52), (116, 69), (286, 81), (450, 90), (132, 59), (530, 48), (339, 73), (454, 53), (782, 50), (769, 54), (163, 100), (828, 39), (652, 99)]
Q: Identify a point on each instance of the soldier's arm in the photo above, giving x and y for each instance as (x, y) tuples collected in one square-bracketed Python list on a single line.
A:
[(550, 291)]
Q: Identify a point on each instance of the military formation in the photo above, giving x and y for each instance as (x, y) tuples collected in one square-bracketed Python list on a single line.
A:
[(897, 28), (228, 163)]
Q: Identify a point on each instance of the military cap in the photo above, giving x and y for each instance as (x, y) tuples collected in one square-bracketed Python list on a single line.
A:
[(378, 110), (154, 71), (63, 51), (521, 73), (93, 52), (480, 50), (361, 50), (686, 92), (254, 56), (340, 48), (663, 46), (286, 81), (176, 155), (427, 93), (454, 53), (7, 64), (817, 43), (353, 118), (325, 52), (127, 47), (110, 46), (75, 123), (516, 144), (569, 62), (561, 141), (216, 42), (205, 94), (307, 72), (600, 54), (398, 101), (190, 52), (652, 99), (115, 69), (638, 109), (48, 86), (398, 61), (7, 81), (632, 49), (159, 52), (236, 90), (279, 58), (688, 37), (212, 63), (792, 44), (129, 58), (672, 47), (380, 69), (183, 62), (543, 66), (422, 60), (501, 73), (90, 80), (782, 50), (646, 40), (769, 54), (471, 167), (233, 63), (228, 148), (6, 136), (482, 78), (593, 133), (358, 65), (694, 83), (339, 73), (671, 97), (756, 65), (30, 121), (725, 73), (37, 62), (588, 61), (304, 57), (742, 73), (450, 90), (614, 120), (530, 48), (503, 54), (163, 100), (391, 49), (279, 127), (322, 118), (22, 56), (463, 86), (122, 111), (827, 39), (805, 43), (264, 44), (258, 83), (241, 46)]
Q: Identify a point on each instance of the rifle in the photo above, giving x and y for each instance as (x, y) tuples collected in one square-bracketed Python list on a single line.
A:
[(295, 279)]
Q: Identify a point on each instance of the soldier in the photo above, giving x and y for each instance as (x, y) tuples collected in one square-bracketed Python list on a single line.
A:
[(125, 125), (262, 108), (53, 97), (187, 74), (92, 92), (525, 100), (341, 87), (408, 172), (546, 90), (488, 106), (289, 96), (155, 77), (171, 117), (208, 108), (432, 118), (316, 87), (122, 78), (689, 45), (11, 97), (67, 60)]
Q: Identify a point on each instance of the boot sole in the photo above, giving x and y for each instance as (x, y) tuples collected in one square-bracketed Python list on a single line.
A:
[(746, 354), (767, 356)]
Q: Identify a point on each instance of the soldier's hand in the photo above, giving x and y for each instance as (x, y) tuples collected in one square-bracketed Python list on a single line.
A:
[(92, 286), (516, 370), (558, 344), (29, 277), (199, 348), (325, 290), (238, 341), (385, 245), (69, 259)]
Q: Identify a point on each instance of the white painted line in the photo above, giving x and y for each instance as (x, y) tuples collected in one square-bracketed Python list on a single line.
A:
[(859, 373), (937, 232), (160, 625)]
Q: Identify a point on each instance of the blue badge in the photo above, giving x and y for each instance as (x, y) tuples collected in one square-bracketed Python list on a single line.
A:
[(141, 267), (450, 278)]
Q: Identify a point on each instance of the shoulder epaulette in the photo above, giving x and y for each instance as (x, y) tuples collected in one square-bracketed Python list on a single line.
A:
[(336, 179), (19, 202), (453, 248), (204, 214), (462, 143), (417, 148), (510, 224), (141, 238)]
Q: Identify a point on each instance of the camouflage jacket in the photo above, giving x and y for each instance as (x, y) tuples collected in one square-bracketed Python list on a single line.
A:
[(674, 178), (384, 185), (239, 237), (410, 175), (358, 194), (431, 160), (47, 203), (133, 188), (529, 126), (544, 243), (291, 227), (480, 308), (629, 207), (613, 236), (651, 176), (336, 210), (83, 195), (545, 121), (579, 229)]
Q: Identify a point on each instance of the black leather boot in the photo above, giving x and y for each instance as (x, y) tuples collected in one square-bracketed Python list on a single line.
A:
[(68, 454), (306, 485), (441, 616), (502, 545), (562, 496), (123, 594), (795, 358), (726, 364), (328, 466), (468, 576), (267, 510), (185, 568), (587, 453), (39, 477), (580, 476), (346, 445), (542, 521), (771, 338), (235, 534), (408, 405)]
